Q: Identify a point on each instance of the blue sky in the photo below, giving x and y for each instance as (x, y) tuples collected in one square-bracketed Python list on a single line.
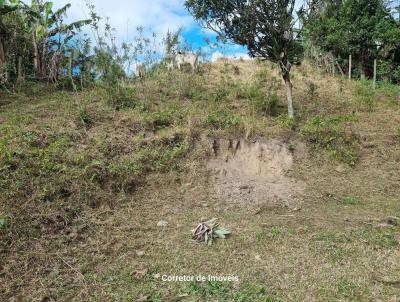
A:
[(157, 16)]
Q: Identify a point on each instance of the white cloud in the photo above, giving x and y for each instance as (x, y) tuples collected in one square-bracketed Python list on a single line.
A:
[(125, 15)]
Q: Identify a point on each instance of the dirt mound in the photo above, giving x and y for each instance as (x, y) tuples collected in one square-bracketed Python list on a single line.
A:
[(244, 171)]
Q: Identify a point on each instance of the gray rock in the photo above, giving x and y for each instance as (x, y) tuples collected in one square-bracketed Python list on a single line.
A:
[(162, 223)]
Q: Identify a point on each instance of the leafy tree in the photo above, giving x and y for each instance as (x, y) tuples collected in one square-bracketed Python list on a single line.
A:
[(365, 29), (5, 9), (171, 40), (266, 27), (50, 35)]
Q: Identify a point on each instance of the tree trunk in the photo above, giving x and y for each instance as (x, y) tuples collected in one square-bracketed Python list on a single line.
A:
[(44, 60), (2, 54), (70, 64), (20, 77), (288, 84), (35, 54), (4, 76)]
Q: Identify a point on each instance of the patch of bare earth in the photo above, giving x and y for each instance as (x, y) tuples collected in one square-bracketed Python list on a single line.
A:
[(253, 172)]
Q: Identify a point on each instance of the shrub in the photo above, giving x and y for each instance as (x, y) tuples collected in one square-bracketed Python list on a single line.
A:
[(262, 103), (160, 119), (3, 225), (84, 118), (365, 95), (127, 174), (220, 94), (168, 159), (120, 97), (221, 120), (328, 133), (312, 91), (285, 121)]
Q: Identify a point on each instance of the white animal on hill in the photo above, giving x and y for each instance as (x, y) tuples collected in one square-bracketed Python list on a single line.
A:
[(140, 70), (189, 57)]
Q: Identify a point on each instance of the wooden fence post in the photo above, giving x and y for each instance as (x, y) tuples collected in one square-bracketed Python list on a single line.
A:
[(349, 67), (374, 83)]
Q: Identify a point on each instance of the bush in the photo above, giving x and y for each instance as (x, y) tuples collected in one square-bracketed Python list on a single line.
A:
[(120, 97), (220, 120), (285, 121), (169, 157), (220, 94), (84, 118), (262, 103), (328, 133), (365, 95), (312, 91), (160, 119), (127, 174)]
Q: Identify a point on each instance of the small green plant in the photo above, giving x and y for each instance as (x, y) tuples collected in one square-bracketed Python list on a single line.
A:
[(351, 201), (221, 120), (254, 293), (262, 103), (3, 224), (220, 94), (291, 147), (126, 174), (328, 133), (210, 290), (159, 119), (84, 118), (312, 91), (341, 87), (284, 121), (168, 159), (120, 97), (208, 231), (365, 95), (350, 290)]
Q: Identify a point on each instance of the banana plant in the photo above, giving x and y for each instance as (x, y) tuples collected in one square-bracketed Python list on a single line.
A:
[(49, 36), (5, 9)]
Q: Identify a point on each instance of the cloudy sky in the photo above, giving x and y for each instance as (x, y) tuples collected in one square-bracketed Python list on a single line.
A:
[(157, 16)]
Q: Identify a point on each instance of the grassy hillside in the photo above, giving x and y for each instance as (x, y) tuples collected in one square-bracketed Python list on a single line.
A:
[(85, 178)]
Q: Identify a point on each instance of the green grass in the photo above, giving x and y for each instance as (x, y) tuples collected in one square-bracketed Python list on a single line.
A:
[(86, 176), (330, 134)]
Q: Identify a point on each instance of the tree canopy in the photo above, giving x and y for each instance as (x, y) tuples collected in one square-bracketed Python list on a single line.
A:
[(265, 27), (366, 29)]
